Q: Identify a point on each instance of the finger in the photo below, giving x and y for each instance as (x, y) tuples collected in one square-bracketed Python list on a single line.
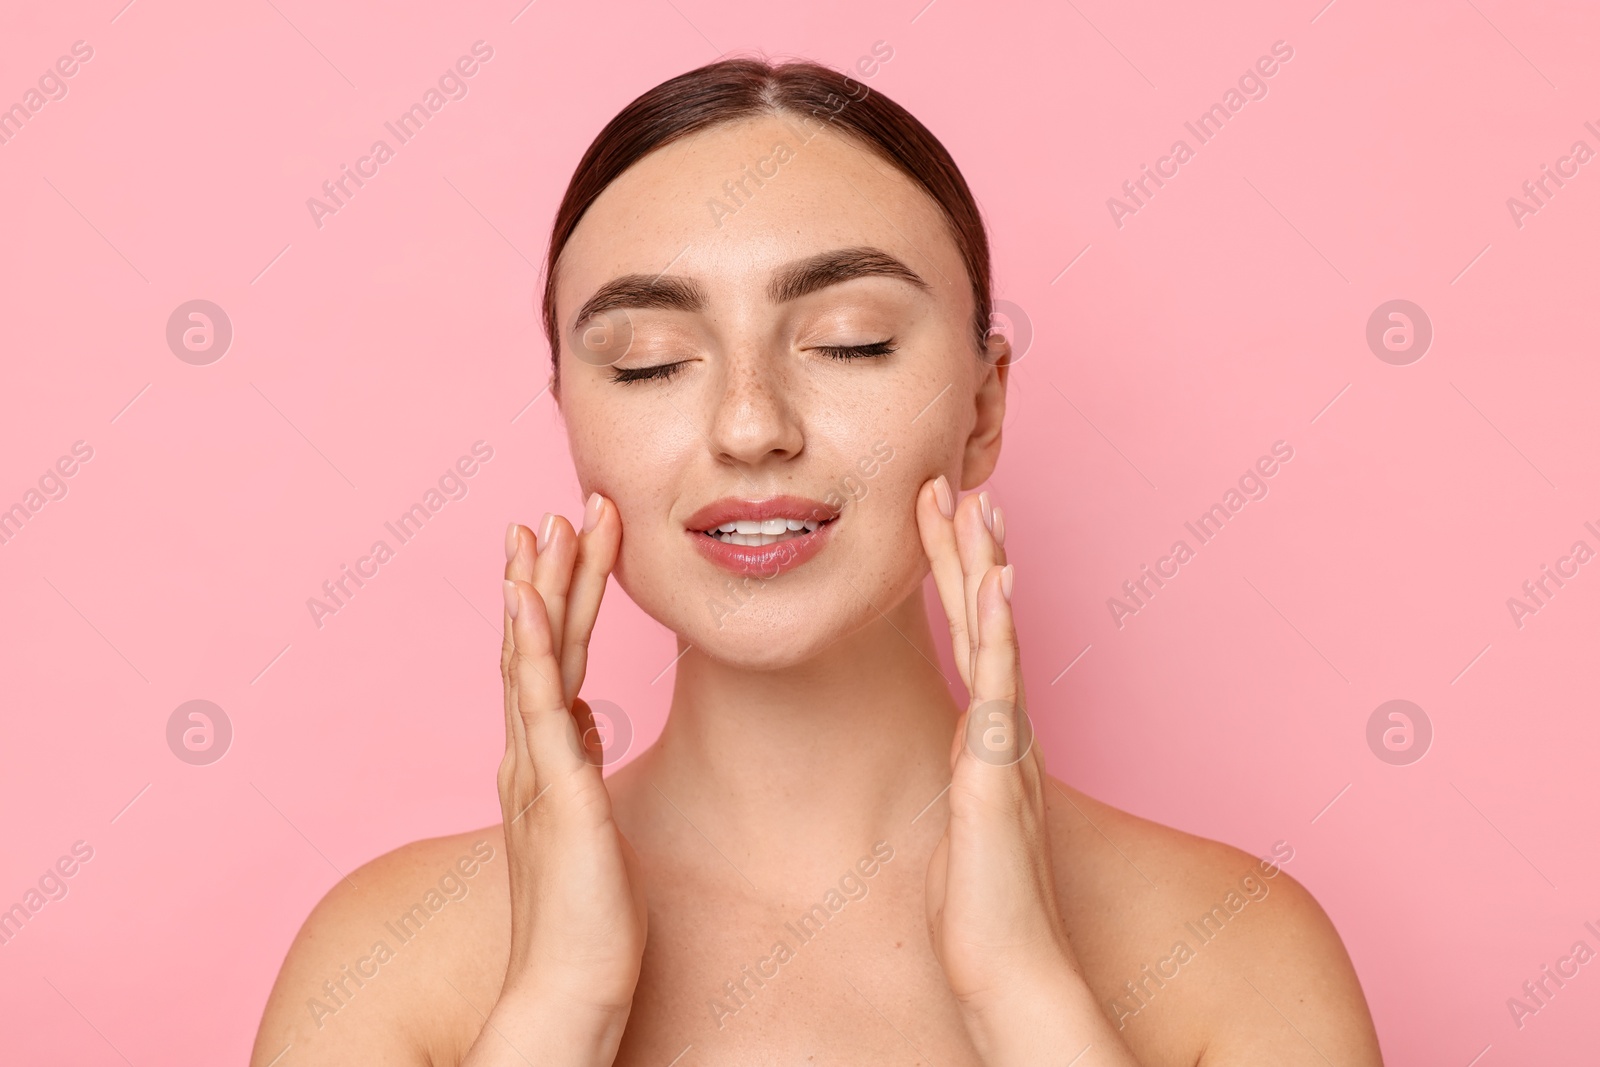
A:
[(938, 535), (519, 567), (598, 545), (998, 658), (555, 550), (552, 739), (976, 546), (997, 687), (589, 736)]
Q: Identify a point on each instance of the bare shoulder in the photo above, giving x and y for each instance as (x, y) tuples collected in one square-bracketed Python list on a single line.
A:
[(1199, 952), (395, 962)]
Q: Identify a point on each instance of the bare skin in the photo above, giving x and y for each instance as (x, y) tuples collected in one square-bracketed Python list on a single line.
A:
[(965, 908)]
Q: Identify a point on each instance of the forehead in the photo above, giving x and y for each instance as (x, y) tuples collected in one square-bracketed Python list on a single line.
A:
[(728, 205)]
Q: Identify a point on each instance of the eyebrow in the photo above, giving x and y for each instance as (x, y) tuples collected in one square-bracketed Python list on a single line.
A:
[(789, 282), (794, 280), (642, 291)]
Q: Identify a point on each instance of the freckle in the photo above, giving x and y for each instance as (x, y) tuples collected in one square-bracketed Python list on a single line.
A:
[(897, 944)]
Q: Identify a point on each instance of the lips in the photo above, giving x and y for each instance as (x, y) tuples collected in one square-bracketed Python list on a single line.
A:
[(761, 537)]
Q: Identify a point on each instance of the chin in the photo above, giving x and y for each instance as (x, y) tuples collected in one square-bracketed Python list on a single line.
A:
[(755, 647), (754, 625)]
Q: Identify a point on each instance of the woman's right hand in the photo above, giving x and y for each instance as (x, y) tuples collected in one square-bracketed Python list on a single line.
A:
[(578, 916)]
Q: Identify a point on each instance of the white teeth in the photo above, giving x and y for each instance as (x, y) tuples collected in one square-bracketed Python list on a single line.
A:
[(752, 540), (757, 532)]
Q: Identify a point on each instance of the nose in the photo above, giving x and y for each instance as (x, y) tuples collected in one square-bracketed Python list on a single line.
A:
[(754, 419)]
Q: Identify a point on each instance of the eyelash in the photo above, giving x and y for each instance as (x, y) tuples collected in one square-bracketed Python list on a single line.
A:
[(629, 375), (664, 371), (867, 351)]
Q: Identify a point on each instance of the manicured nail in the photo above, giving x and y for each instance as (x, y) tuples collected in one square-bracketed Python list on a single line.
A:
[(546, 526), (987, 509), (941, 494), (511, 542), (591, 512), (1006, 578), (510, 589), (999, 527)]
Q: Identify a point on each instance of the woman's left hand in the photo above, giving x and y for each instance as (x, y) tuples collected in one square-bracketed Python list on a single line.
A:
[(992, 909)]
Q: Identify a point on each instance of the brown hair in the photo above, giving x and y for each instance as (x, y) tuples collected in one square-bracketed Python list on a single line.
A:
[(733, 89)]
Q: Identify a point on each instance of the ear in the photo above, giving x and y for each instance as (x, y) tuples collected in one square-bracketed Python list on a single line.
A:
[(982, 451)]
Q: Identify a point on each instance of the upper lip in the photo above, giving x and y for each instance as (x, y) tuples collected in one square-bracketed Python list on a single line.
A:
[(730, 509)]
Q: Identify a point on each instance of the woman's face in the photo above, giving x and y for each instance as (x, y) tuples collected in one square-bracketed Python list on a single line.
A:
[(783, 337)]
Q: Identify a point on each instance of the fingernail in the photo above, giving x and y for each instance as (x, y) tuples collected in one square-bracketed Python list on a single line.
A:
[(591, 512), (511, 542), (545, 527), (510, 589), (941, 494), (999, 527), (1006, 578), (988, 511)]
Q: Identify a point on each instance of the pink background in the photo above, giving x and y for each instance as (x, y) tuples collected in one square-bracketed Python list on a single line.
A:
[(370, 353)]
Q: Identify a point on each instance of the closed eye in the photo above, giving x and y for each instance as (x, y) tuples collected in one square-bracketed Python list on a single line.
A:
[(876, 348), (663, 371), (659, 372)]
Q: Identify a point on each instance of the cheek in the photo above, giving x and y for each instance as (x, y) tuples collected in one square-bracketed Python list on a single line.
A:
[(924, 449), (886, 511), (633, 461), (617, 450)]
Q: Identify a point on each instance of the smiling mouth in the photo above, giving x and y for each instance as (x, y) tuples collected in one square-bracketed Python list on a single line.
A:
[(754, 533)]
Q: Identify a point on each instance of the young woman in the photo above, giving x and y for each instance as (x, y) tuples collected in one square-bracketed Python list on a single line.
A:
[(768, 302)]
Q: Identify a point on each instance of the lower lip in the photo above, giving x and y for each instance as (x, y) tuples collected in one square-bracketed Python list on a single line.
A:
[(764, 561)]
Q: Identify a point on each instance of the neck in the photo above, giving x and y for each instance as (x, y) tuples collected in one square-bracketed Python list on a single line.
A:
[(846, 747)]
